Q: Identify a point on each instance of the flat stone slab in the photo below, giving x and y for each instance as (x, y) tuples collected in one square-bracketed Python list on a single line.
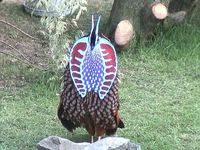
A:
[(58, 143), (109, 143)]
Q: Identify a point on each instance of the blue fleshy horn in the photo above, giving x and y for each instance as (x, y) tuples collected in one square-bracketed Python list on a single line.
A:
[(93, 37)]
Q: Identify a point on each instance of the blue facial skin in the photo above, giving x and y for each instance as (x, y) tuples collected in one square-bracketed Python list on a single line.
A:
[(93, 39)]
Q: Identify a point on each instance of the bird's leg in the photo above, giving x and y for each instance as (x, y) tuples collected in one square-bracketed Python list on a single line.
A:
[(99, 138), (100, 131), (92, 139)]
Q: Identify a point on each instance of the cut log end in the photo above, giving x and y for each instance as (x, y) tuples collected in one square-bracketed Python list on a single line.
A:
[(160, 11), (124, 32)]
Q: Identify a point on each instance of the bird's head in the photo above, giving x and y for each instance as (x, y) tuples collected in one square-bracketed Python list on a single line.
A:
[(93, 37)]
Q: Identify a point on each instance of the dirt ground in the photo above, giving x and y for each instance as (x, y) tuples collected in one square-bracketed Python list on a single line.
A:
[(34, 50), (14, 42), (13, 1)]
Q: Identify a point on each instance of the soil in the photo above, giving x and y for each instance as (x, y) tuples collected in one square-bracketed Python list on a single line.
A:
[(36, 51), (13, 42), (13, 1)]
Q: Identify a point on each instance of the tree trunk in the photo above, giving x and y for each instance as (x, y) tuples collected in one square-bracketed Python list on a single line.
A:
[(123, 10), (140, 14), (194, 16), (190, 7)]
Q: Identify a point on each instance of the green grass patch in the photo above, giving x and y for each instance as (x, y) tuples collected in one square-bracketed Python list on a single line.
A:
[(159, 96), (179, 42), (160, 104)]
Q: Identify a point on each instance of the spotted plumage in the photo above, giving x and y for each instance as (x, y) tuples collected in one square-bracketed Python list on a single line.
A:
[(90, 95)]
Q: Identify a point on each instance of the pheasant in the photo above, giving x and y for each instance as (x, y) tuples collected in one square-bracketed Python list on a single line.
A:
[(90, 95)]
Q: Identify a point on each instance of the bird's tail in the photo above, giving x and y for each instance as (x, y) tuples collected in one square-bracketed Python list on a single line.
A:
[(120, 124), (66, 123)]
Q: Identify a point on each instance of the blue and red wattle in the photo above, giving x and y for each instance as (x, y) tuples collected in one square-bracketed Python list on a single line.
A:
[(93, 70)]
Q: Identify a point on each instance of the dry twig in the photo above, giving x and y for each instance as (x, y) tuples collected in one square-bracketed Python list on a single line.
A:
[(14, 57), (16, 50), (25, 61), (2, 21)]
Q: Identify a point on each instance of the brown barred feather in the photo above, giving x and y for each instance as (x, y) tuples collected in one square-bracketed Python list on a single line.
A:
[(95, 115)]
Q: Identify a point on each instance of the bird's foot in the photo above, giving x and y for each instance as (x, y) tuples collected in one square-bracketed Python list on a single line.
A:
[(92, 139), (99, 138)]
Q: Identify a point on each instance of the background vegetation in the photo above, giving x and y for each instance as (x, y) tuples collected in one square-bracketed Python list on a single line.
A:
[(159, 92)]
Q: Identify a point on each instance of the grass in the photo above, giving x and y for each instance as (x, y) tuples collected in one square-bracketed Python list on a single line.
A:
[(159, 96), (160, 104), (160, 92)]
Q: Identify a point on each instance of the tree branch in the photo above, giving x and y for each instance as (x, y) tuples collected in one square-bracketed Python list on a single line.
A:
[(2, 21), (14, 57), (16, 50), (25, 61)]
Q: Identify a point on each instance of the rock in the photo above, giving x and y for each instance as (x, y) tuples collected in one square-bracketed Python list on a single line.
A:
[(113, 143), (57, 143), (109, 143)]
